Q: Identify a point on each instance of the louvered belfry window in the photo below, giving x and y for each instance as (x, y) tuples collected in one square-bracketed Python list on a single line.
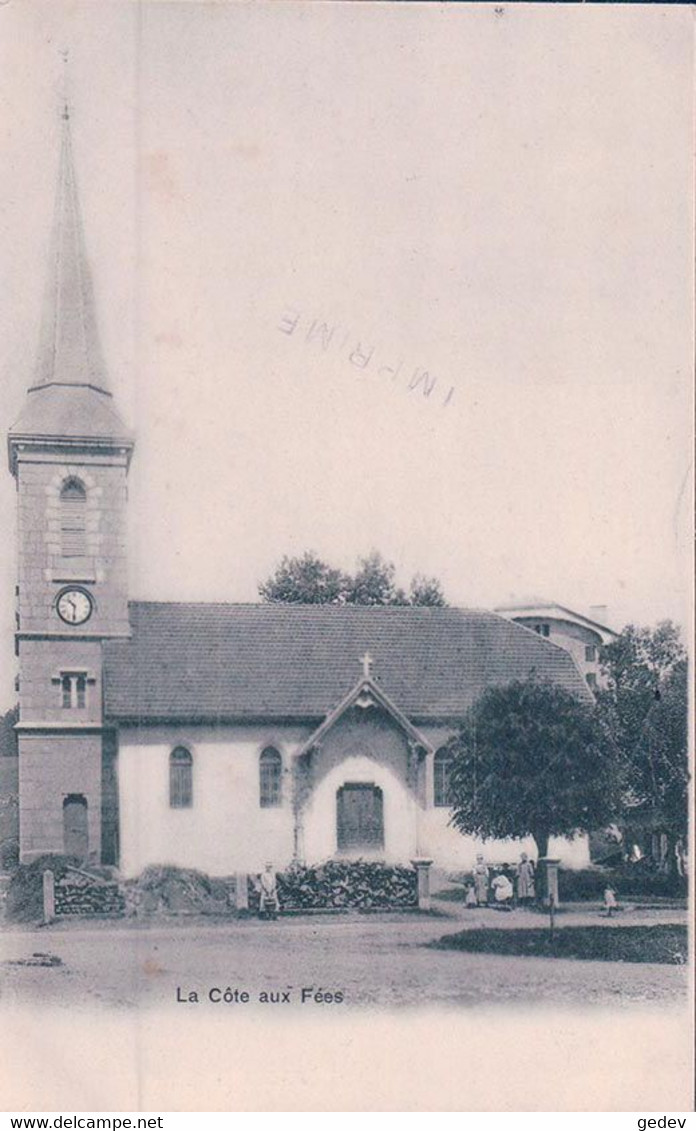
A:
[(180, 778), (73, 519)]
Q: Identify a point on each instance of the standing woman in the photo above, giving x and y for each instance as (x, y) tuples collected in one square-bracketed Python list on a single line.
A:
[(481, 875), (525, 879)]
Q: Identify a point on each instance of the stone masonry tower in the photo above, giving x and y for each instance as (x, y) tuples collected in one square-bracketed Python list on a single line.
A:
[(69, 453)]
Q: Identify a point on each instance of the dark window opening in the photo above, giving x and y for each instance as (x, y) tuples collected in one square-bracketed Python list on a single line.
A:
[(441, 775), (73, 520), (73, 690), (270, 778), (180, 778)]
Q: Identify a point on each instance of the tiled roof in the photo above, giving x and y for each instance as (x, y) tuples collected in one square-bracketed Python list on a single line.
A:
[(75, 412), (215, 661)]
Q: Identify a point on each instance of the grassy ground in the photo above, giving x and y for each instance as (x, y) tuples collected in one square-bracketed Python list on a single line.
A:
[(663, 943)]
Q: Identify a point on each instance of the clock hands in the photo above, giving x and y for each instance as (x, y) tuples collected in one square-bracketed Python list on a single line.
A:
[(74, 607)]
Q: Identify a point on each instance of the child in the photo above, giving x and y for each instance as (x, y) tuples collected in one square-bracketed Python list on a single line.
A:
[(470, 899), (610, 904)]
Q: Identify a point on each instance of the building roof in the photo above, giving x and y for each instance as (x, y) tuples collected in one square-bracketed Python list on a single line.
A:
[(224, 661), (69, 395), (551, 610)]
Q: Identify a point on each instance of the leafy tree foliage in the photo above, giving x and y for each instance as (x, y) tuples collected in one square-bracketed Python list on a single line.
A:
[(532, 759), (373, 583), (646, 704), (304, 581), (426, 591), (9, 797), (308, 580), (8, 736)]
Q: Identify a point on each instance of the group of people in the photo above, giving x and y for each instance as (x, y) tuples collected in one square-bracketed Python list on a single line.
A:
[(503, 886)]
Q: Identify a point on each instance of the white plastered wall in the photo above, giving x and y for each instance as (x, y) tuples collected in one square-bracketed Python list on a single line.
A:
[(452, 851), (225, 830), (399, 812)]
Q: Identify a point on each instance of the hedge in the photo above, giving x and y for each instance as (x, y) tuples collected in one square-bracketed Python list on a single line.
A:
[(631, 881)]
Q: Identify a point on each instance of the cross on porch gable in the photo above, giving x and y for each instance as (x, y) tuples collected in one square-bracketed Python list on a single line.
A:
[(367, 662)]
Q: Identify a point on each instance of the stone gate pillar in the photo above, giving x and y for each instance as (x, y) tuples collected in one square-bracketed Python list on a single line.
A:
[(422, 867)]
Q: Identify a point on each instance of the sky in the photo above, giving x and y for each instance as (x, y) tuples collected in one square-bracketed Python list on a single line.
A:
[(412, 277)]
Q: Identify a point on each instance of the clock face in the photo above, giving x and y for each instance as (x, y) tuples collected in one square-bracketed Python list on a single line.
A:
[(74, 606)]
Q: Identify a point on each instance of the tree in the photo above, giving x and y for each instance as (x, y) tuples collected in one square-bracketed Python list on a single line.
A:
[(426, 591), (532, 760), (646, 704), (304, 581), (663, 751), (308, 580), (373, 583), (8, 735), (9, 791)]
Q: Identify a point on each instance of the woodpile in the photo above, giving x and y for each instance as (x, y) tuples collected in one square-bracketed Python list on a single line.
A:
[(337, 884), (76, 893)]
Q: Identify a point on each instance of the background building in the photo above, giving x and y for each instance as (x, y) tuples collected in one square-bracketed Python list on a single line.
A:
[(581, 635)]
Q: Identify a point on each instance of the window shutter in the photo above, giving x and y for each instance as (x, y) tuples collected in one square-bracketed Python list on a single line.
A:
[(73, 520)]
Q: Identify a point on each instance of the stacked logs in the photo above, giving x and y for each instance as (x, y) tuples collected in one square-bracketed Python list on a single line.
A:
[(343, 885), (78, 894)]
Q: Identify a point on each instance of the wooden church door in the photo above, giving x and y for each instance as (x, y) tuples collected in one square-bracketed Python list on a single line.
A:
[(75, 838), (359, 816)]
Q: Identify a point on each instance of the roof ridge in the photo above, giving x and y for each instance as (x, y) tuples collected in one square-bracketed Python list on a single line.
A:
[(319, 606)]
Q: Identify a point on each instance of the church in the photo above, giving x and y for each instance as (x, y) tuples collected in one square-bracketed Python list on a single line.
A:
[(216, 736)]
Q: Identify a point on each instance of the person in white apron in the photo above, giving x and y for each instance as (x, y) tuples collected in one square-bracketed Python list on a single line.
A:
[(481, 875), (268, 903), (525, 879)]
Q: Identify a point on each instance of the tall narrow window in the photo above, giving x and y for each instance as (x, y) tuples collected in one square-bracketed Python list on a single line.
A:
[(270, 778), (441, 774), (73, 689), (180, 778), (73, 523)]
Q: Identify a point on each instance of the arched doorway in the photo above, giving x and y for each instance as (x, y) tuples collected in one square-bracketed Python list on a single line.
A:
[(359, 817), (75, 835)]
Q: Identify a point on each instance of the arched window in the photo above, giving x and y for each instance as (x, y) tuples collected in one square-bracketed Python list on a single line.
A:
[(180, 778), (441, 773), (270, 778), (73, 523)]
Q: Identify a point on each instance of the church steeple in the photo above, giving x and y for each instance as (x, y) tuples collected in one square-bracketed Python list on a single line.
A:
[(69, 395), (69, 348)]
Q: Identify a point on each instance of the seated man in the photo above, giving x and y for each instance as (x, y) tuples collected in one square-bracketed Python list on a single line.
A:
[(268, 903)]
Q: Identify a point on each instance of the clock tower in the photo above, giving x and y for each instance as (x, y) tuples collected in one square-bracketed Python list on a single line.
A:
[(69, 452)]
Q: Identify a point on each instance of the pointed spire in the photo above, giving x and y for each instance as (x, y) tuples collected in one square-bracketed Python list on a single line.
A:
[(68, 401), (69, 349)]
